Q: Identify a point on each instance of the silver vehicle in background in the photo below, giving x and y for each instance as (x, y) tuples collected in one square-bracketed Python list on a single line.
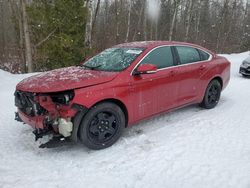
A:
[(245, 67)]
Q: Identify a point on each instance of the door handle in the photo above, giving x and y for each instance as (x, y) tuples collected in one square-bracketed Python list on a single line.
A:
[(172, 73), (202, 67)]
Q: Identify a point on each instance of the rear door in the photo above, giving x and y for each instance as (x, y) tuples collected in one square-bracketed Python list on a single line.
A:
[(153, 93), (192, 65)]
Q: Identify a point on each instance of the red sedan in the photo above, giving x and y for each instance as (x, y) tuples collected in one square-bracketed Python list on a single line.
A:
[(120, 86)]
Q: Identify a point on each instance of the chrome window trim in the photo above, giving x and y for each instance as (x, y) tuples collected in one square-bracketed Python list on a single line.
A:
[(209, 59)]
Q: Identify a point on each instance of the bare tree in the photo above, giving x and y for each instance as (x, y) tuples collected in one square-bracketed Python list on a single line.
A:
[(89, 24), (140, 17), (176, 4), (221, 27), (145, 23), (95, 16), (129, 20), (2, 39), (28, 49), (198, 20), (117, 12), (189, 16)]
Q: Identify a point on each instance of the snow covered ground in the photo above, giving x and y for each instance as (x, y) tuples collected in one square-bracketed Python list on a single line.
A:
[(188, 148)]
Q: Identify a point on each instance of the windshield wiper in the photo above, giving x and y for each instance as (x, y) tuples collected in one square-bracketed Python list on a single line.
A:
[(91, 67)]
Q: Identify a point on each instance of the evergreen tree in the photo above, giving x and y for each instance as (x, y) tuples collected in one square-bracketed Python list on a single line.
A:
[(58, 29)]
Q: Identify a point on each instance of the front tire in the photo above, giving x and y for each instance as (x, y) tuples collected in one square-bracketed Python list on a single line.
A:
[(102, 126), (212, 95)]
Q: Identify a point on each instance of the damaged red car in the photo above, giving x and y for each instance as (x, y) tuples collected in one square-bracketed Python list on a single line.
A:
[(95, 101)]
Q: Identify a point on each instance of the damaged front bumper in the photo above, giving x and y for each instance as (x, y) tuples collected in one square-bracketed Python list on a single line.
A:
[(37, 122), (245, 70), (48, 117)]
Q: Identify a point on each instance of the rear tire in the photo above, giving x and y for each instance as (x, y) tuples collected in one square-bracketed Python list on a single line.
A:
[(212, 95), (102, 126)]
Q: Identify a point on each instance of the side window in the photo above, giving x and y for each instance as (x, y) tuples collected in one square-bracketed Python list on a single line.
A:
[(204, 56), (161, 57), (188, 54)]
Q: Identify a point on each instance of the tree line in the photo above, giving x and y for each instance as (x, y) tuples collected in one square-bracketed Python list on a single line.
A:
[(37, 35)]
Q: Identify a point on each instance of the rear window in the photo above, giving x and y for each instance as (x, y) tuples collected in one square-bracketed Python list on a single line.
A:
[(188, 54), (204, 56)]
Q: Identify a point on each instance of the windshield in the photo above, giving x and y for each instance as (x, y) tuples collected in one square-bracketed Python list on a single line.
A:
[(247, 60), (113, 59)]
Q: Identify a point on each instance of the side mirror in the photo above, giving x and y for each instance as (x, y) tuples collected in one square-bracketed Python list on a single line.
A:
[(145, 69)]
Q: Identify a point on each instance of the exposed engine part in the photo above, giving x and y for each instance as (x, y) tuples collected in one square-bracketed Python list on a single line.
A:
[(35, 111), (62, 97), (26, 103), (65, 127)]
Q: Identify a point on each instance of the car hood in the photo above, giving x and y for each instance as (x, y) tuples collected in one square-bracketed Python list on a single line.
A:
[(64, 79), (247, 60)]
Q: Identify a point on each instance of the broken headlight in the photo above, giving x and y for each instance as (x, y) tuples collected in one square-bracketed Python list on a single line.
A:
[(62, 97)]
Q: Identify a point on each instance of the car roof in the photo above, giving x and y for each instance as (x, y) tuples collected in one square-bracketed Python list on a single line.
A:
[(152, 44)]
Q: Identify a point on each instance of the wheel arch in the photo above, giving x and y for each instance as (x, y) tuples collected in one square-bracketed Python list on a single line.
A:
[(79, 116), (204, 87), (219, 79), (203, 102), (118, 103)]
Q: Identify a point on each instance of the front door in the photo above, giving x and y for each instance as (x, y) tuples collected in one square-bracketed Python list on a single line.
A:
[(154, 93)]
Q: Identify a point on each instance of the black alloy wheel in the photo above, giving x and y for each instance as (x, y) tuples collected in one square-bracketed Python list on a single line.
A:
[(212, 95), (102, 126)]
